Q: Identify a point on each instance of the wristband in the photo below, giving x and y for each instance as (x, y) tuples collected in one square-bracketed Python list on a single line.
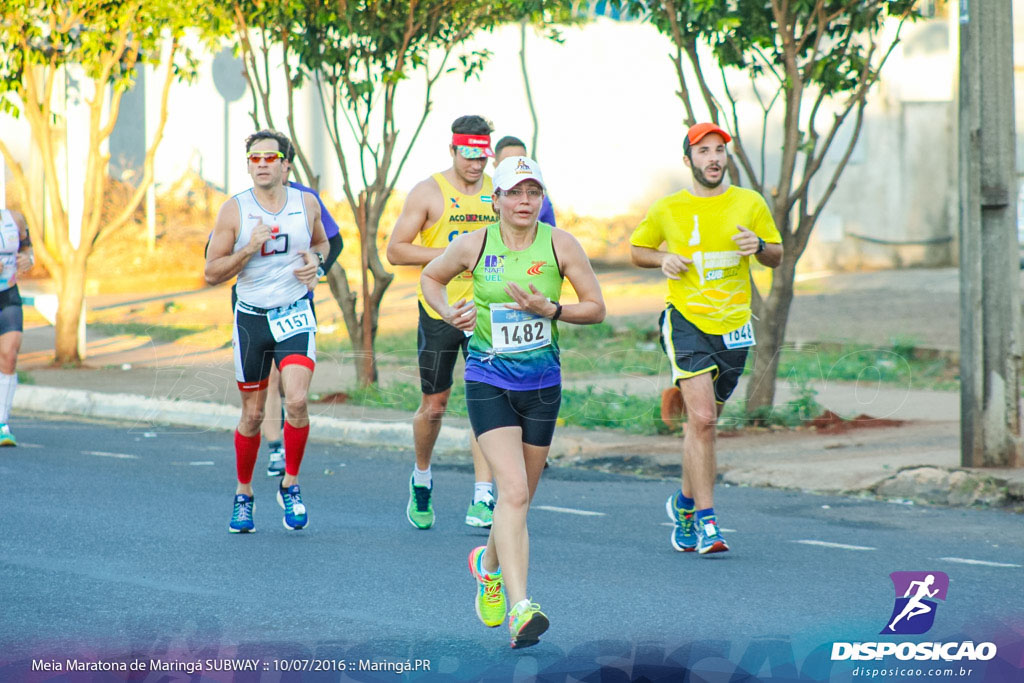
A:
[(319, 258), (320, 272), (760, 246), (558, 311)]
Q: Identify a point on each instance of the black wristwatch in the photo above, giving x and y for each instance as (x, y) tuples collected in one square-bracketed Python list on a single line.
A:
[(760, 246)]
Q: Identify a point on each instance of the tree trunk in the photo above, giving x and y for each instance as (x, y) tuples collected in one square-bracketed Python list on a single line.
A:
[(366, 368), (337, 278), (526, 84), (71, 293), (770, 333)]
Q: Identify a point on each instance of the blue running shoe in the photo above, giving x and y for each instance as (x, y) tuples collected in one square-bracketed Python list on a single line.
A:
[(290, 499), (684, 536), (709, 539), (241, 517)]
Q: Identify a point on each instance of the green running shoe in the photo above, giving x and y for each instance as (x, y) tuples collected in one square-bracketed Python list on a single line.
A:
[(525, 624), (481, 514), (490, 596), (420, 511)]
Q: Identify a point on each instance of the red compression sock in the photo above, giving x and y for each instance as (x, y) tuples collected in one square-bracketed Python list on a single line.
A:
[(247, 448), (294, 447)]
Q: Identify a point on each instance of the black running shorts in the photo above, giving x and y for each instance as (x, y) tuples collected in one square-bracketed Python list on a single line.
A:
[(437, 349), (535, 411), (692, 352), (255, 348), (11, 314)]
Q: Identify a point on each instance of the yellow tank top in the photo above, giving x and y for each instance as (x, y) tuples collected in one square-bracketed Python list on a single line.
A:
[(462, 213)]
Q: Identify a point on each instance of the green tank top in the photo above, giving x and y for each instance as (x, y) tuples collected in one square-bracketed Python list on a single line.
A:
[(514, 349)]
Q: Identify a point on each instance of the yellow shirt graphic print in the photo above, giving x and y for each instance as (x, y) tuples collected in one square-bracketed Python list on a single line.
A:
[(462, 213), (714, 293), (718, 283)]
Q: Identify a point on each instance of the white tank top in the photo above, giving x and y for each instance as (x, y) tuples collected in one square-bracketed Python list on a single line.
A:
[(267, 280), (10, 243)]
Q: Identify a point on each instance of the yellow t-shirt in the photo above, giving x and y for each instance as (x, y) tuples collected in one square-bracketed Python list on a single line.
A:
[(462, 213), (714, 294)]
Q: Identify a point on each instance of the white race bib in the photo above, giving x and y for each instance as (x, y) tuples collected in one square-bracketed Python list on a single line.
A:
[(288, 321), (515, 331), (741, 338)]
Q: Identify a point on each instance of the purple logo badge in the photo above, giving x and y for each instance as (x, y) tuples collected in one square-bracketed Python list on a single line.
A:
[(914, 611)]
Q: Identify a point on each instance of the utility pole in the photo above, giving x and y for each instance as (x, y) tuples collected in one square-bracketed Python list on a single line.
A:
[(990, 339)]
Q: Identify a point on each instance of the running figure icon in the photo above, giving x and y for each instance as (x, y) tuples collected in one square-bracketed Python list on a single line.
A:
[(917, 596), (914, 606)]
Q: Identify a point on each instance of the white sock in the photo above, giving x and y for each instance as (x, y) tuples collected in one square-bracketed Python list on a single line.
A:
[(421, 477), (8, 383), (483, 491)]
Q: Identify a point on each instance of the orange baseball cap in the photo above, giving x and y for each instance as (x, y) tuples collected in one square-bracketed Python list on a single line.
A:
[(698, 131)]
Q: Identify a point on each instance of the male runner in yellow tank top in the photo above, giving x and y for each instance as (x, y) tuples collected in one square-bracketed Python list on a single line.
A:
[(437, 210)]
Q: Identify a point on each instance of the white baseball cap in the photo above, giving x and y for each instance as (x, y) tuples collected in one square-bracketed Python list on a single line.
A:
[(514, 170)]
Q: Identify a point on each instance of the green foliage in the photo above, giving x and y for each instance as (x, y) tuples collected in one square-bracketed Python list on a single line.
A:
[(108, 40), (744, 32)]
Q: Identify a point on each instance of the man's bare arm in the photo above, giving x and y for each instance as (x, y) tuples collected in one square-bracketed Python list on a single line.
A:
[(221, 263), (414, 218)]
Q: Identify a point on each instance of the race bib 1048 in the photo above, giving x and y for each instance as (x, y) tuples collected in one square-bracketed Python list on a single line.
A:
[(741, 338)]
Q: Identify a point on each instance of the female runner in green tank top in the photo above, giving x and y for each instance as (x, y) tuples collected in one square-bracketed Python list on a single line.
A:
[(513, 378)]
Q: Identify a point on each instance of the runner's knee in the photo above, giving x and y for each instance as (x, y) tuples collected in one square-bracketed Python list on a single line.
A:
[(514, 495), (702, 418), (252, 417), (434, 406)]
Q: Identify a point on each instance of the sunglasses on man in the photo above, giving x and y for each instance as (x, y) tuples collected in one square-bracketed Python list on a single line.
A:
[(265, 157)]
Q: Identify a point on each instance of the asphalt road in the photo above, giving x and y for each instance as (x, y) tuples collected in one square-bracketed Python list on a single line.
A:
[(114, 546)]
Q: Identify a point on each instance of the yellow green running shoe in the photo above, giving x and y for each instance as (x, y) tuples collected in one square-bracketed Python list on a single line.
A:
[(490, 596), (525, 624)]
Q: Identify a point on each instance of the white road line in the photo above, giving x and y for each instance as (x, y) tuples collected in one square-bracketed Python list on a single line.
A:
[(122, 456), (983, 563), (840, 546), (569, 511), (201, 462)]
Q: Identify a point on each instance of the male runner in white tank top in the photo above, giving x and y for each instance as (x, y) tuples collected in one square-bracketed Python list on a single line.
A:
[(272, 238)]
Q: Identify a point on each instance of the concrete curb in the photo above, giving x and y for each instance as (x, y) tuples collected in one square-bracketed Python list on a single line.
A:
[(155, 411), (919, 484), (954, 487)]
